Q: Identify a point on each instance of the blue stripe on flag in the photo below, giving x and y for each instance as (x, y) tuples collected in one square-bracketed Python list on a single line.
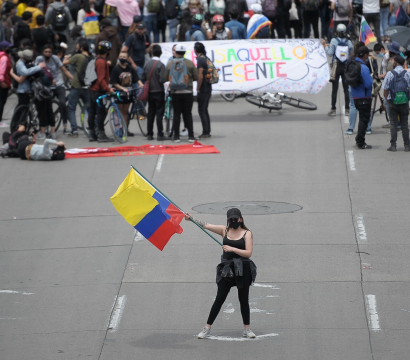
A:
[(164, 203), (151, 222), (90, 18)]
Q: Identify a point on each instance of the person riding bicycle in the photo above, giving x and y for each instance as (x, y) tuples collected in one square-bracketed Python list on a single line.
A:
[(219, 31), (99, 88)]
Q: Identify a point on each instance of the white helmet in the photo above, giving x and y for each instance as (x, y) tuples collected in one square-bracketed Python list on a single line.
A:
[(341, 28)]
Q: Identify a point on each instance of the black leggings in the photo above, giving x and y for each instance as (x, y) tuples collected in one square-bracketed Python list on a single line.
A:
[(224, 286)]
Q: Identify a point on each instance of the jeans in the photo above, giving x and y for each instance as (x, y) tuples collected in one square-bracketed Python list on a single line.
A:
[(183, 105), (59, 93), (384, 20), (375, 19), (324, 20), (364, 107), (123, 33), (3, 99), (156, 107), (340, 72), (353, 111), (392, 21), (151, 23), (203, 103), (96, 111), (73, 97), (311, 18), (172, 24), (394, 112)]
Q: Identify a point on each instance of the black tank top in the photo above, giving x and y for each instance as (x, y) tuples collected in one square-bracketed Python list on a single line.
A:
[(239, 244)]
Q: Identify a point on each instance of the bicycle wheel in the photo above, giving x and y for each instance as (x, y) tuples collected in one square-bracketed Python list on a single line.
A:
[(82, 115), (259, 101), (57, 113), (299, 103), (117, 124), (141, 117), (21, 116), (229, 97), (168, 117)]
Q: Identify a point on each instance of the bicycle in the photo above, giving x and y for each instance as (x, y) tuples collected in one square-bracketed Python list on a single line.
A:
[(274, 101), (137, 111), (117, 122), (168, 116)]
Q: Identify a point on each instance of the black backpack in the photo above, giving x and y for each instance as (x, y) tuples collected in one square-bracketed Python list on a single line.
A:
[(83, 70), (60, 20), (233, 6), (353, 73), (74, 6), (171, 9)]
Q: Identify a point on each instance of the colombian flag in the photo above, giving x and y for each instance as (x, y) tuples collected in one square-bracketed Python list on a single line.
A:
[(366, 34), (147, 210)]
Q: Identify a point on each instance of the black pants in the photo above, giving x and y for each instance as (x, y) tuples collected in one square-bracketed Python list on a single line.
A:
[(364, 107), (311, 18), (281, 24), (224, 286), (203, 103), (59, 93), (23, 99), (156, 107), (182, 104), (45, 112), (96, 111), (394, 112), (340, 72), (374, 18), (3, 100)]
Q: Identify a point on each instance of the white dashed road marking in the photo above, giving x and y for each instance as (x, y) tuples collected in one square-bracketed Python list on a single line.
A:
[(361, 230), (116, 317), (350, 156), (15, 292), (373, 315), (228, 338), (159, 162)]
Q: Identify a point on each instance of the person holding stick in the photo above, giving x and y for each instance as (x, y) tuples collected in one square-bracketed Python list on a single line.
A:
[(236, 267)]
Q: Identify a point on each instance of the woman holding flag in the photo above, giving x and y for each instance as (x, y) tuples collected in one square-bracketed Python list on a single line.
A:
[(236, 267)]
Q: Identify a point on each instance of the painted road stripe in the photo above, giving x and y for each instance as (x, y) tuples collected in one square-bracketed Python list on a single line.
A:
[(372, 309), (15, 292), (116, 317), (138, 236), (228, 338), (350, 156), (159, 162), (266, 286), (361, 230)]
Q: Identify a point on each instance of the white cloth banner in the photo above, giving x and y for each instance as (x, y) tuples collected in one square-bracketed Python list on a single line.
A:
[(296, 65)]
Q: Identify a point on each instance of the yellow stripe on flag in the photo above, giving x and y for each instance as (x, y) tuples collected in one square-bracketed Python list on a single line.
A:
[(133, 198)]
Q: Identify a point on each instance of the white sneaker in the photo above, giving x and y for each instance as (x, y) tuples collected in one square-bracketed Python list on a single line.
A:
[(184, 132), (41, 136), (249, 333), (54, 136), (204, 333), (3, 124)]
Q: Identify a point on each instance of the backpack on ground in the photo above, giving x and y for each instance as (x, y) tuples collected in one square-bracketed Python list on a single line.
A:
[(153, 6), (353, 73), (233, 6), (83, 70), (178, 75), (342, 8), (269, 8), (311, 5), (217, 7), (341, 52), (60, 19), (399, 89), (90, 76), (91, 25), (212, 74), (171, 9)]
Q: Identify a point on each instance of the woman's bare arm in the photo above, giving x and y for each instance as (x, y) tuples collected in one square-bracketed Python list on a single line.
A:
[(217, 229)]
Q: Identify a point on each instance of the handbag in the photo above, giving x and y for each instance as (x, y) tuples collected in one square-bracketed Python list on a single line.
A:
[(293, 12), (143, 94), (333, 68)]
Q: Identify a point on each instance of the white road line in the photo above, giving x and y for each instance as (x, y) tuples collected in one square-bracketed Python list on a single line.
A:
[(345, 118), (373, 316), (350, 156), (116, 317), (15, 292), (266, 286), (361, 230), (138, 236), (159, 162), (228, 338)]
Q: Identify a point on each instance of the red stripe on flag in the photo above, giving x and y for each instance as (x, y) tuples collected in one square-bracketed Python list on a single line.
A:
[(176, 217), (163, 234)]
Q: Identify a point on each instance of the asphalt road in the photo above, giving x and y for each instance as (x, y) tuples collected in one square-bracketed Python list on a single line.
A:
[(332, 277)]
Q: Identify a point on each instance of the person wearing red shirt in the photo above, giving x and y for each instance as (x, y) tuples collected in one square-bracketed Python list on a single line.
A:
[(100, 87), (5, 78)]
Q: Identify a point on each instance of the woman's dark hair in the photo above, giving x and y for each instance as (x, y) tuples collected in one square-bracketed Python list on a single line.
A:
[(243, 226), (40, 20), (184, 25), (75, 31), (200, 48), (86, 6), (356, 47)]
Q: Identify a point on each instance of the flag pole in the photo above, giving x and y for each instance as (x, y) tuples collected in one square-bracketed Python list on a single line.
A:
[(149, 182)]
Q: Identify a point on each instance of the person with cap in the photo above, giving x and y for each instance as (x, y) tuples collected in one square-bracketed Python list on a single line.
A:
[(183, 99), (127, 10), (340, 49), (109, 33), (5, 77), (196, 32), (362, 96), (258, 25), (22, 29), (29, 151), (58, 15), (342, 13), (396, 87), (236, 267), (140, 45)]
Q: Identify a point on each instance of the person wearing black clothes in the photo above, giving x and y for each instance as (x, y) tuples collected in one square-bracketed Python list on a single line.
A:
[(154, 73), (23, 29), (310, 17), (282, 21), (236, 267), (42, 35), (240, 6), (204, 90)]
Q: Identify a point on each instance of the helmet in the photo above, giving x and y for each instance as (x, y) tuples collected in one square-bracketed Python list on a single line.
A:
[(218, 18), (104, 46), (197, 19), (341, 28)]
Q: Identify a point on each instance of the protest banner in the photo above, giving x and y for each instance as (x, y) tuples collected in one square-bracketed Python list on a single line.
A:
[(258, 66)]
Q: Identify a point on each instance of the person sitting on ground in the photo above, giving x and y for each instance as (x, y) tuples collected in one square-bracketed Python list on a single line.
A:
[(258, 25), (30, 151), (218, 31), (11, 141)]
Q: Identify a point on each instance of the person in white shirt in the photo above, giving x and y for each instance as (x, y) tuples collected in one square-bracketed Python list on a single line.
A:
[(371, 12)]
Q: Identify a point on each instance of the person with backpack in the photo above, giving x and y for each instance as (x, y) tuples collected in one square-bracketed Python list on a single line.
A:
[(5, 78), (22, 29), (42, 35), (371, 12), (269, 9), (150, 11), (98, 88), (173, 14), (59, 17), (9, 19), (237, 29), (342, 13), (204, 89), (339, 50), (396, 88), (359, 78), (109, 33), (218, 31), (181, 73), (240, 6), (259, 26), (310, 17), (196, 32), (87, 17), (77, 91), (127, 9)]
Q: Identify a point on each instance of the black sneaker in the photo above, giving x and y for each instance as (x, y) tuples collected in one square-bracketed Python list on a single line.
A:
[(392, 148), (104, 138), (73, 134), (66, 131), (363, 147), (204, 136), (93, 136), (129, 133), (150, 137), (192, 139), (163, 138), (176, 140)]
